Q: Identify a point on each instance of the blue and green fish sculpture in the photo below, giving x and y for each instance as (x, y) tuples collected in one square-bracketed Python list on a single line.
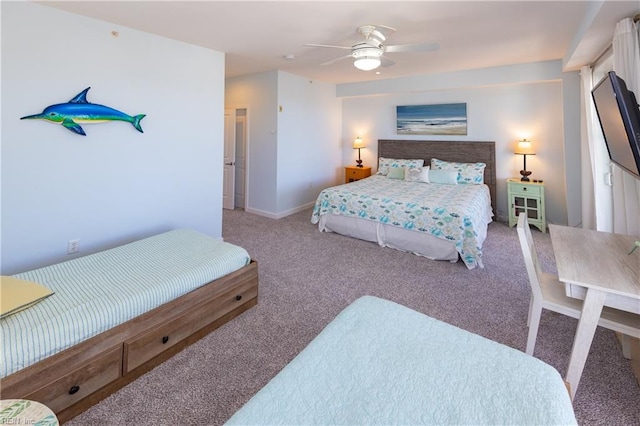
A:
[(79, 111)]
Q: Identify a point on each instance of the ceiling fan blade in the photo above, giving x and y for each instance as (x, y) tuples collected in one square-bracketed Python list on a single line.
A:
[(328, 45), (386, 62), (379, 32), (386, 30), (335, 60), (419, 47)]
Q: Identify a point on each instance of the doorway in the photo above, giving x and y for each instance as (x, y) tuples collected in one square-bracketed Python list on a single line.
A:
[(241, 159), (235, 159)]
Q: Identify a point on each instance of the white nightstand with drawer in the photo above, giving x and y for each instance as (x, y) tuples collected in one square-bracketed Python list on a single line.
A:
[(527, 197)]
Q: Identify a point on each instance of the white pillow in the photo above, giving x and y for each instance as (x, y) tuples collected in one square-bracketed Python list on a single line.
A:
[(471, 173), (415, 174), (396, 172), (447, 177), (385, 163)]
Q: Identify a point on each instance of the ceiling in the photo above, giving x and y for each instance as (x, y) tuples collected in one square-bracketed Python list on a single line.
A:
[(256, 36)]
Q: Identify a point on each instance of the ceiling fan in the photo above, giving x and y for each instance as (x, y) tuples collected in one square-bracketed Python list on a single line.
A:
[(368, 54)]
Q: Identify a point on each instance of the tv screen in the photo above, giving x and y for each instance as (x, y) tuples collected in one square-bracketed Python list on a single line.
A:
[(619, 116)]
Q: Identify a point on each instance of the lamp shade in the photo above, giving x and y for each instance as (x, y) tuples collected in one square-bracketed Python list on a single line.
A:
[(525, 148), (358, 143)]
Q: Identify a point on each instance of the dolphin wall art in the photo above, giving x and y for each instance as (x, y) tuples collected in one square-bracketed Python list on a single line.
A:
[(79, 110)]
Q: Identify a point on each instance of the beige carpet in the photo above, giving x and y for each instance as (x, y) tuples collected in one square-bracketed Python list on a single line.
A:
[(307, 277)]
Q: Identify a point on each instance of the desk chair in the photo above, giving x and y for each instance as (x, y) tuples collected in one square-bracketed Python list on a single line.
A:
[(547, 292)]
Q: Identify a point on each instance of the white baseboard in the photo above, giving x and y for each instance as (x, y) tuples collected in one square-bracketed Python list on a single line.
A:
[(281, 214)]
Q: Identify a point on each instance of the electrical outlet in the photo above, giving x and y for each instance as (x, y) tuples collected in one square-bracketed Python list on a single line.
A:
[(73, 246)]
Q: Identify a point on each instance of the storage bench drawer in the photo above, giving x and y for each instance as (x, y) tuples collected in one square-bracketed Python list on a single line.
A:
[(87, 378), (150, 343)]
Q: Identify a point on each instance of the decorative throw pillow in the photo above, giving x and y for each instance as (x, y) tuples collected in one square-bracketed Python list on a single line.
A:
[(19, 294), (472, 173), (447, 177), (384, 164), (415, 174), (396, 173)]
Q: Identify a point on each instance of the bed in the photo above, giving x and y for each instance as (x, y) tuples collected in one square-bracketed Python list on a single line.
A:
[(438, 221), (116, 314), (379, 362)]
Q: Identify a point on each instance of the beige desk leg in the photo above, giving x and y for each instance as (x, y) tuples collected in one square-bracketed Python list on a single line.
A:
[(591, 310), (625, 341)]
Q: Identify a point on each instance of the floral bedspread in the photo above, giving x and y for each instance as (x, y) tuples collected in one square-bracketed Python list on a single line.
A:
[(450, 212)]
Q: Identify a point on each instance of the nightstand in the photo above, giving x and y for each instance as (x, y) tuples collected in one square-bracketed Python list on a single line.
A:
[(527, 197), (353, 173)]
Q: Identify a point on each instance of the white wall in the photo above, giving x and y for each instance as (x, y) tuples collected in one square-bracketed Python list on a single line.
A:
[(293, 153), (114, 185), (572, 146), (503, 105), (309, 143), (258, 93)]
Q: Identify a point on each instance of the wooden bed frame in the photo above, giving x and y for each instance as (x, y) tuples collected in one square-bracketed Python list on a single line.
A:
[(73, 380), (457, 151)]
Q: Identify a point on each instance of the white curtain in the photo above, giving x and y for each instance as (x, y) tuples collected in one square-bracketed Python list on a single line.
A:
[(626, 189), (595, 163), (586, 149)]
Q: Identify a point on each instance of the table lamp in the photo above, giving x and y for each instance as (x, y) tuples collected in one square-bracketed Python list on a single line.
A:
[(524, 149), (358, 144)]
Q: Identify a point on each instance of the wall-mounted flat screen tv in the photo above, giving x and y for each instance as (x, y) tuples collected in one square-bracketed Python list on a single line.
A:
[(619, 116)]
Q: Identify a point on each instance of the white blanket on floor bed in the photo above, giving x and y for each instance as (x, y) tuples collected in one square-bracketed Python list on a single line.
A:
[(381, 363)]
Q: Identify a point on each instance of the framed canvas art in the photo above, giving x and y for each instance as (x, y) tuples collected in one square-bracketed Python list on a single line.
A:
[(437, 119)]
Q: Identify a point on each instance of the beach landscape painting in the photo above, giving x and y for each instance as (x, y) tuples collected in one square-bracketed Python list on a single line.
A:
[(437, 119)]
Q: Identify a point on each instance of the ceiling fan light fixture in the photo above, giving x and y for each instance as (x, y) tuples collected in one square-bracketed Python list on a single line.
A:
[(368, 54), (367, 63), (367, 58)]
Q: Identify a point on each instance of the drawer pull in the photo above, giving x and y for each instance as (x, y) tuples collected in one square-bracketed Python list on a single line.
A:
[(165, 339), (74, 389), (524, 189), (238, 297)]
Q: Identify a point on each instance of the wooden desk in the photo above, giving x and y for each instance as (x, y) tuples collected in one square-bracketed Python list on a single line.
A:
[(597, 266)]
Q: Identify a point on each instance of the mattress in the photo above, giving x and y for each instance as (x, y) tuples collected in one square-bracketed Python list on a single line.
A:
[(97, 292), (382, 363), (455, 213)]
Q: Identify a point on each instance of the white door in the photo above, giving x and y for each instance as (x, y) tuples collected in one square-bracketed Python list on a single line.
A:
[(241, 157), (229, 159)]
